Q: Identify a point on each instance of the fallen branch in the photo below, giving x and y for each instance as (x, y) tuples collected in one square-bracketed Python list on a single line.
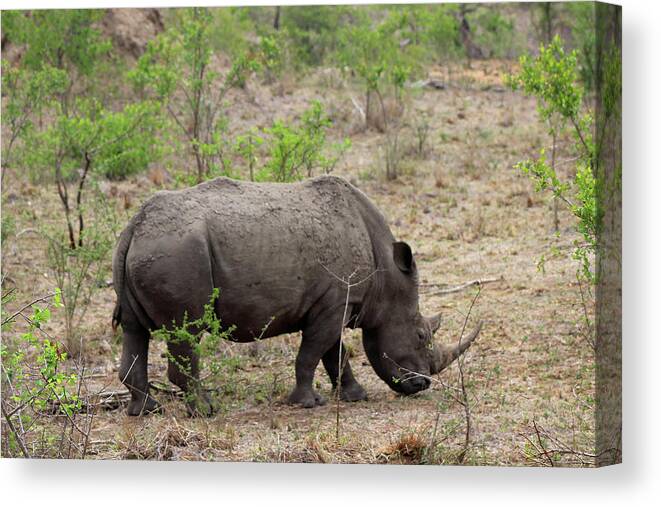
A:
[(26, 231), (457, 288), (560, 449), (112, 400), (167, 390)]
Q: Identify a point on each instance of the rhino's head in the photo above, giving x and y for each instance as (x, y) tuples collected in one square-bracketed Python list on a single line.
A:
[(401, 349)]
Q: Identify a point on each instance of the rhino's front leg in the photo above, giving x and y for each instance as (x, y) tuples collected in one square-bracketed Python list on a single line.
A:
[(306, 363), (350, 390), (318, 338)]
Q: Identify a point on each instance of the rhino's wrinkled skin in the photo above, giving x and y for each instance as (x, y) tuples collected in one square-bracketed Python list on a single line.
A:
[(277, 253)]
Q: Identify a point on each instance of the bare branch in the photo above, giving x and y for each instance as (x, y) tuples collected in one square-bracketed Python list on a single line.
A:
[(347, 281), (541, 444), (12, 428)]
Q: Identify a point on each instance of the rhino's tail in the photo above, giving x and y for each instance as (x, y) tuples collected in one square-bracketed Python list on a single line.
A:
[(116, 316), (119, 271)]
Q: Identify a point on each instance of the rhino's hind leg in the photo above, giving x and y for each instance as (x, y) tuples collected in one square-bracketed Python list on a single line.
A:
[(183, 371), (350, 390), (133, 366)]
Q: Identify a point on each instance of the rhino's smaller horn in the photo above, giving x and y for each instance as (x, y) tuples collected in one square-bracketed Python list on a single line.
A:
[(435, 322), (449, 354)]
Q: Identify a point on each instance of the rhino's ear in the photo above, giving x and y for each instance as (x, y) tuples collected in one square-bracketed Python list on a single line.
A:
[(403, 256)]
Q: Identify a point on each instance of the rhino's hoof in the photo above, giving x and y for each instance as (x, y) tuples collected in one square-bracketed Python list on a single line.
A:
[(143, 406), (201, 406), (353, 392), (306, 398)]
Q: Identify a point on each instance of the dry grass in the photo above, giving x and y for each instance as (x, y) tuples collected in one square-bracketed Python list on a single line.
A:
[(409, 449)]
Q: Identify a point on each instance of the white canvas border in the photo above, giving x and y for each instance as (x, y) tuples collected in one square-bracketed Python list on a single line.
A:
[(636, 482)]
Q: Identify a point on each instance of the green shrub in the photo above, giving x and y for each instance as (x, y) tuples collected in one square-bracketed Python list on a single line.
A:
[(296, 151), (177, 70), (312, 31), (28, 93), (228, 29), (272, 55), (374, 55), (204, 336), (494, 33), (383, 65), (60, 77), (552, 77), (65, 39), (128, 140), (91, 140), (441, 32), (36, 385), (247, 146)]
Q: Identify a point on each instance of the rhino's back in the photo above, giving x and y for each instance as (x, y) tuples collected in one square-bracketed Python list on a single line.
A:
[(270, 248), (317, 219)]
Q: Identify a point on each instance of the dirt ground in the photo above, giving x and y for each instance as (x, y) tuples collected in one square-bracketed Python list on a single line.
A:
[(468, 214)]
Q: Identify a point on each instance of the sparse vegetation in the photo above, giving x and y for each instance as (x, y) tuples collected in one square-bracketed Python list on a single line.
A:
[(81, 271)]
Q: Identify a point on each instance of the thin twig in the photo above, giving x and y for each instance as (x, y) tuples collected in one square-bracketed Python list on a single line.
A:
[(19, 312), (580, 135), (340, 364), (561, 448), (541, 444), (464, 393), (352, 284), (79, 197)]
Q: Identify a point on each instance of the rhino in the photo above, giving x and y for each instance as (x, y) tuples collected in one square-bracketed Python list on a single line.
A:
[(314, 256)]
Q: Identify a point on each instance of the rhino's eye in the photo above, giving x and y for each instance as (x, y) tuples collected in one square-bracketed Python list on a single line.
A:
[(422, 336)]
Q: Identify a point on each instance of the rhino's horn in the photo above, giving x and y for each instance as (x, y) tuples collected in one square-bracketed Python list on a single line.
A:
[(449, 354)]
